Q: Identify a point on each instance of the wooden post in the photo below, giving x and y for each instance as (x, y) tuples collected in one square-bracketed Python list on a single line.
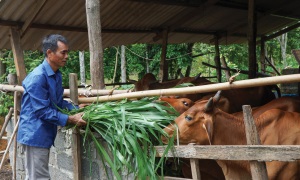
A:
[(258, 169), (217, 60), (195, 169), (16, 107), (251, 39), (262, 55), (12, 79), (18, 55), (95, 43), (76, 150), (163, 68)]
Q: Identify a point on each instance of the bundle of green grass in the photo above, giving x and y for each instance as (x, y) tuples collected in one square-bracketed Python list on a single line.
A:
[(131, 129)]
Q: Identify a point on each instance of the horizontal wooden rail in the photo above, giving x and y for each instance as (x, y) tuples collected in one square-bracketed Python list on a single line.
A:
[(235, 152), (92, 92)]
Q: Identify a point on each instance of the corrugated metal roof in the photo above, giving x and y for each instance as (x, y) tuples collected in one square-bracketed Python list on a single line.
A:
[(138, 21)]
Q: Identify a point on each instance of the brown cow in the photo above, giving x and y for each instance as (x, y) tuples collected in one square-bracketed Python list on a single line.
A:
[(149, 82), (234, 99), (209, 169), (204, 124), (179, 104)]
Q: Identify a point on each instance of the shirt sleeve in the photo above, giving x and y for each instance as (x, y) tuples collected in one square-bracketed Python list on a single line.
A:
[(42, 105)]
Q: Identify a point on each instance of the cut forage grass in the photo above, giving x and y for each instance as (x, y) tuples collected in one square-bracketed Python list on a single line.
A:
[(131, 129)]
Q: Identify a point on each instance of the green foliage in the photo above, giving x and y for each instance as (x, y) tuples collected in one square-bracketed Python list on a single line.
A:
[(6, 101)]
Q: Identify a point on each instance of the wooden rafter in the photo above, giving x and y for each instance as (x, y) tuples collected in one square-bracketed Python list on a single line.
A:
[(38, 7)]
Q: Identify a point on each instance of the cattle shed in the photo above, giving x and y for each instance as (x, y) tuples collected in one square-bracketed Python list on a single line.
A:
[(123, 22)]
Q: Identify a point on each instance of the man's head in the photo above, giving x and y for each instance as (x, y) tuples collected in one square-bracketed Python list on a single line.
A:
[(50, 42), (55, 49)]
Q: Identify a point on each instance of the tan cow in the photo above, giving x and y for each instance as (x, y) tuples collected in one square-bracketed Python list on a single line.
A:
[(205, 124)]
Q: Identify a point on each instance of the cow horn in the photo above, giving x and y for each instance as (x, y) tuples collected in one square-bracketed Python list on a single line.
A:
[(217, 96), (196, 77), (209, 105)]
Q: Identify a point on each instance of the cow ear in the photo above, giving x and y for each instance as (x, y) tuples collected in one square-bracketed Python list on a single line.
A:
[(209, 105), (208, 127)]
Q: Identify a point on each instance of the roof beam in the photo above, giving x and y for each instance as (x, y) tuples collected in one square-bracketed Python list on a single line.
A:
[(38, 7), (276, 12), (188, 3), (285, 30), (104, 30)]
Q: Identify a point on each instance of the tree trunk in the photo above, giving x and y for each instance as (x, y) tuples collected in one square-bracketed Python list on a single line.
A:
[(82, 67), (123, 65), (283, 43), (189, 67)]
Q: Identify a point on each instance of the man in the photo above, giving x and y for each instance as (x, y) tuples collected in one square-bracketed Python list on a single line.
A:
[(40, 116)]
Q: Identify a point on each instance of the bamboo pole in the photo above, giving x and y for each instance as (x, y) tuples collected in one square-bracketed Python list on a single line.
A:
[(199, 89), (92, 92), (5, 87)]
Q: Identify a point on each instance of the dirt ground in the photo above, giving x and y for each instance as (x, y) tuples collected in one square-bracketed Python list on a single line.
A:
[(6, 171)]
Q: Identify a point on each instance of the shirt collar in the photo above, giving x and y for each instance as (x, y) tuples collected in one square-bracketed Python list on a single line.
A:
[(48, 68)]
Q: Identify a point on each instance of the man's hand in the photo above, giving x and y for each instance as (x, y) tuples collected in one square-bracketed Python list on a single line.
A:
[(82, 105), (76, 119)]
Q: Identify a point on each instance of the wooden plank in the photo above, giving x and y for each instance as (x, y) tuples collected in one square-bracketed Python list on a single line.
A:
[(236, 152), (195, 169), (95, 43), (258, 169), (18, 55), (76, 148)]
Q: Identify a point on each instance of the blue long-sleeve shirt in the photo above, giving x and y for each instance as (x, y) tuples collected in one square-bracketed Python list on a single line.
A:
[(39, 116)]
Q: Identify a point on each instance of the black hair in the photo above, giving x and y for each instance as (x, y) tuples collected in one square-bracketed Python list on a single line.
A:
[(50, 42)]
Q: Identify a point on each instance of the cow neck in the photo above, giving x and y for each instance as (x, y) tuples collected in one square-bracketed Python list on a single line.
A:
[(227, 129)]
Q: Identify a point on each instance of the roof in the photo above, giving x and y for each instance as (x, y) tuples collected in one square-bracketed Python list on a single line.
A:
[(140, 21)]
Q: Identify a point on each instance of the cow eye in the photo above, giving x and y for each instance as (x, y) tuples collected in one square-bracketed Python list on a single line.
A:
[(185, 103), (188, 118)]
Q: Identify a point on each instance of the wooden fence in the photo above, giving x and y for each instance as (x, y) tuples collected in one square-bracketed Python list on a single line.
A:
[(250, 152)]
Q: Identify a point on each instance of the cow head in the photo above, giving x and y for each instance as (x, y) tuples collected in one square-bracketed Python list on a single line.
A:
[(179, 104), (194, 125)]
